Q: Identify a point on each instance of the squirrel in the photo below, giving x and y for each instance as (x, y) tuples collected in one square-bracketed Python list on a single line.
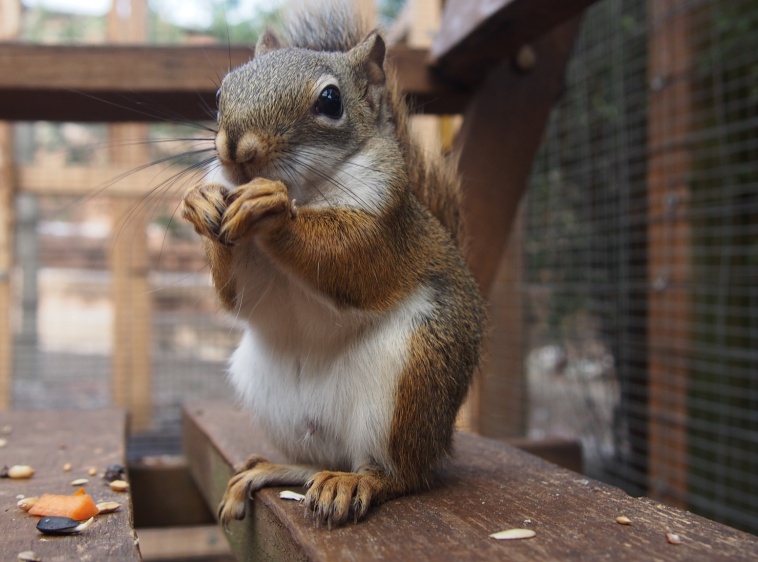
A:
[(337, 241)]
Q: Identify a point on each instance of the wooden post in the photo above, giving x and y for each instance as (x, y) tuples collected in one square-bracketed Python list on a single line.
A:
[(669, 299), (10, 13), (501, 132), (132, 357)]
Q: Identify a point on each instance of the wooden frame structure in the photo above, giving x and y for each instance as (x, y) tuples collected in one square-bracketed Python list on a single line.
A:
[(127, 83)]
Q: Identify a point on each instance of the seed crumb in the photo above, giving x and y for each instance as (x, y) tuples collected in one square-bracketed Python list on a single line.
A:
[(623, 520)]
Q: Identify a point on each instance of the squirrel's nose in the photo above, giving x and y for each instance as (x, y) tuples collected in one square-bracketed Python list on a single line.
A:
[(243, 150)]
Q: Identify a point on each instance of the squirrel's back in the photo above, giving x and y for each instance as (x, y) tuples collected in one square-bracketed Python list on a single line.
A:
[(334, 25)]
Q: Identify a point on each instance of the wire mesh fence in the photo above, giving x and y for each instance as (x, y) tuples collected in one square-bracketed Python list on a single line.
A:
[(640, 258)]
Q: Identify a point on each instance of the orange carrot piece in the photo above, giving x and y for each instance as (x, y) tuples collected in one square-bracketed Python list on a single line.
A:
[(78, 506)]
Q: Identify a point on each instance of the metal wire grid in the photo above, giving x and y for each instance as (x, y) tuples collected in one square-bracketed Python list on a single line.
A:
[(641, 242)]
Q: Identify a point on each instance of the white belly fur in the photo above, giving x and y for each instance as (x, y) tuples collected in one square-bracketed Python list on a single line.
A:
[(321, 381)]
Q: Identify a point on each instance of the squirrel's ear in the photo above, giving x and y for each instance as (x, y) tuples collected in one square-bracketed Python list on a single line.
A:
[(369, 55), (267, 42)]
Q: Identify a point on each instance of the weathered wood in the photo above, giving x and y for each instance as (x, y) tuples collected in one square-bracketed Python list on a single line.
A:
[(46, 440), (159, 181), (488, 487), (502, 129), (10, 19), (194, 543), (670, 111), (477, 35), (131, 377), (150, 83), (7, 222)]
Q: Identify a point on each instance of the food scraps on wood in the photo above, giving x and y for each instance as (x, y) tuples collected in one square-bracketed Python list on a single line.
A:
[(17, 471), (78, 506), (513, 534), (673, 538), (108, 507), (119, 486), (29, 556), (79, 482), (623, 520), (62, 525), (114, 472), (290, 495), (27, 503)]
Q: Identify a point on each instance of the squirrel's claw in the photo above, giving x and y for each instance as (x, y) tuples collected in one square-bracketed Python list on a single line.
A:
[(257, 206), (333, 496)]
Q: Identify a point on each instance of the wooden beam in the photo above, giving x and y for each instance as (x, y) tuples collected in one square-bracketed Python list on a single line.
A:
[(477, 35), (670, 110), (107, 181), (502, 130), (487, 487), (10, 12), (149, 83), (131, 375), (7, 224)]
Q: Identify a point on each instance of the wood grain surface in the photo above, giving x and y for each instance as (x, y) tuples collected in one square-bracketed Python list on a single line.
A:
[(46, 440), (488, 487)]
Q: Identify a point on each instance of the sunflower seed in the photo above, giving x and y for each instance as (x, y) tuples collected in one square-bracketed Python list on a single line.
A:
[(29, 556), (119, 486), (673, 538), (512, 534), (27, 503), (62, 525), (290, 495), (108, 507), (623, 520), (79, 482), (20, 471)]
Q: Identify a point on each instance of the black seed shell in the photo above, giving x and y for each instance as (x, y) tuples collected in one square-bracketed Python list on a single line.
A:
[(57, 525)]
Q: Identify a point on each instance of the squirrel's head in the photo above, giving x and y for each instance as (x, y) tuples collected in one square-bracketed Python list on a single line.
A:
[(293, 114)]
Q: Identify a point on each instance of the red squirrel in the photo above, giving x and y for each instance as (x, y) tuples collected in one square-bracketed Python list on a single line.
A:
[(337, 242)]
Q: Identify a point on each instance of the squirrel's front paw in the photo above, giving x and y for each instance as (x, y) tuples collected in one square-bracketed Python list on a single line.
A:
[(258, 206), (203, 206)]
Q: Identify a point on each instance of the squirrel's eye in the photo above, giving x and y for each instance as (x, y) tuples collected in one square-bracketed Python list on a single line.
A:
[(329, 102), (218, 96)]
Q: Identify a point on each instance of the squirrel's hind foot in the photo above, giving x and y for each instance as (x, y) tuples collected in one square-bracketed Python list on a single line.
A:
[(253, 475), (335, 497)]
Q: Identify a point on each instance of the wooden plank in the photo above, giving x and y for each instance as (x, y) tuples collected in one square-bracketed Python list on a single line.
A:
[(671, 107), (131, 376), (10, 19), (7, 223), (477, 35), (502, 130), (46, 440), (503, 391), (149, 83), (184, 544), (489, 486), (125, 180)]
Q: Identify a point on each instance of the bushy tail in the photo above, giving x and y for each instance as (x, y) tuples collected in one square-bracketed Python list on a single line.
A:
[(335, 26)]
